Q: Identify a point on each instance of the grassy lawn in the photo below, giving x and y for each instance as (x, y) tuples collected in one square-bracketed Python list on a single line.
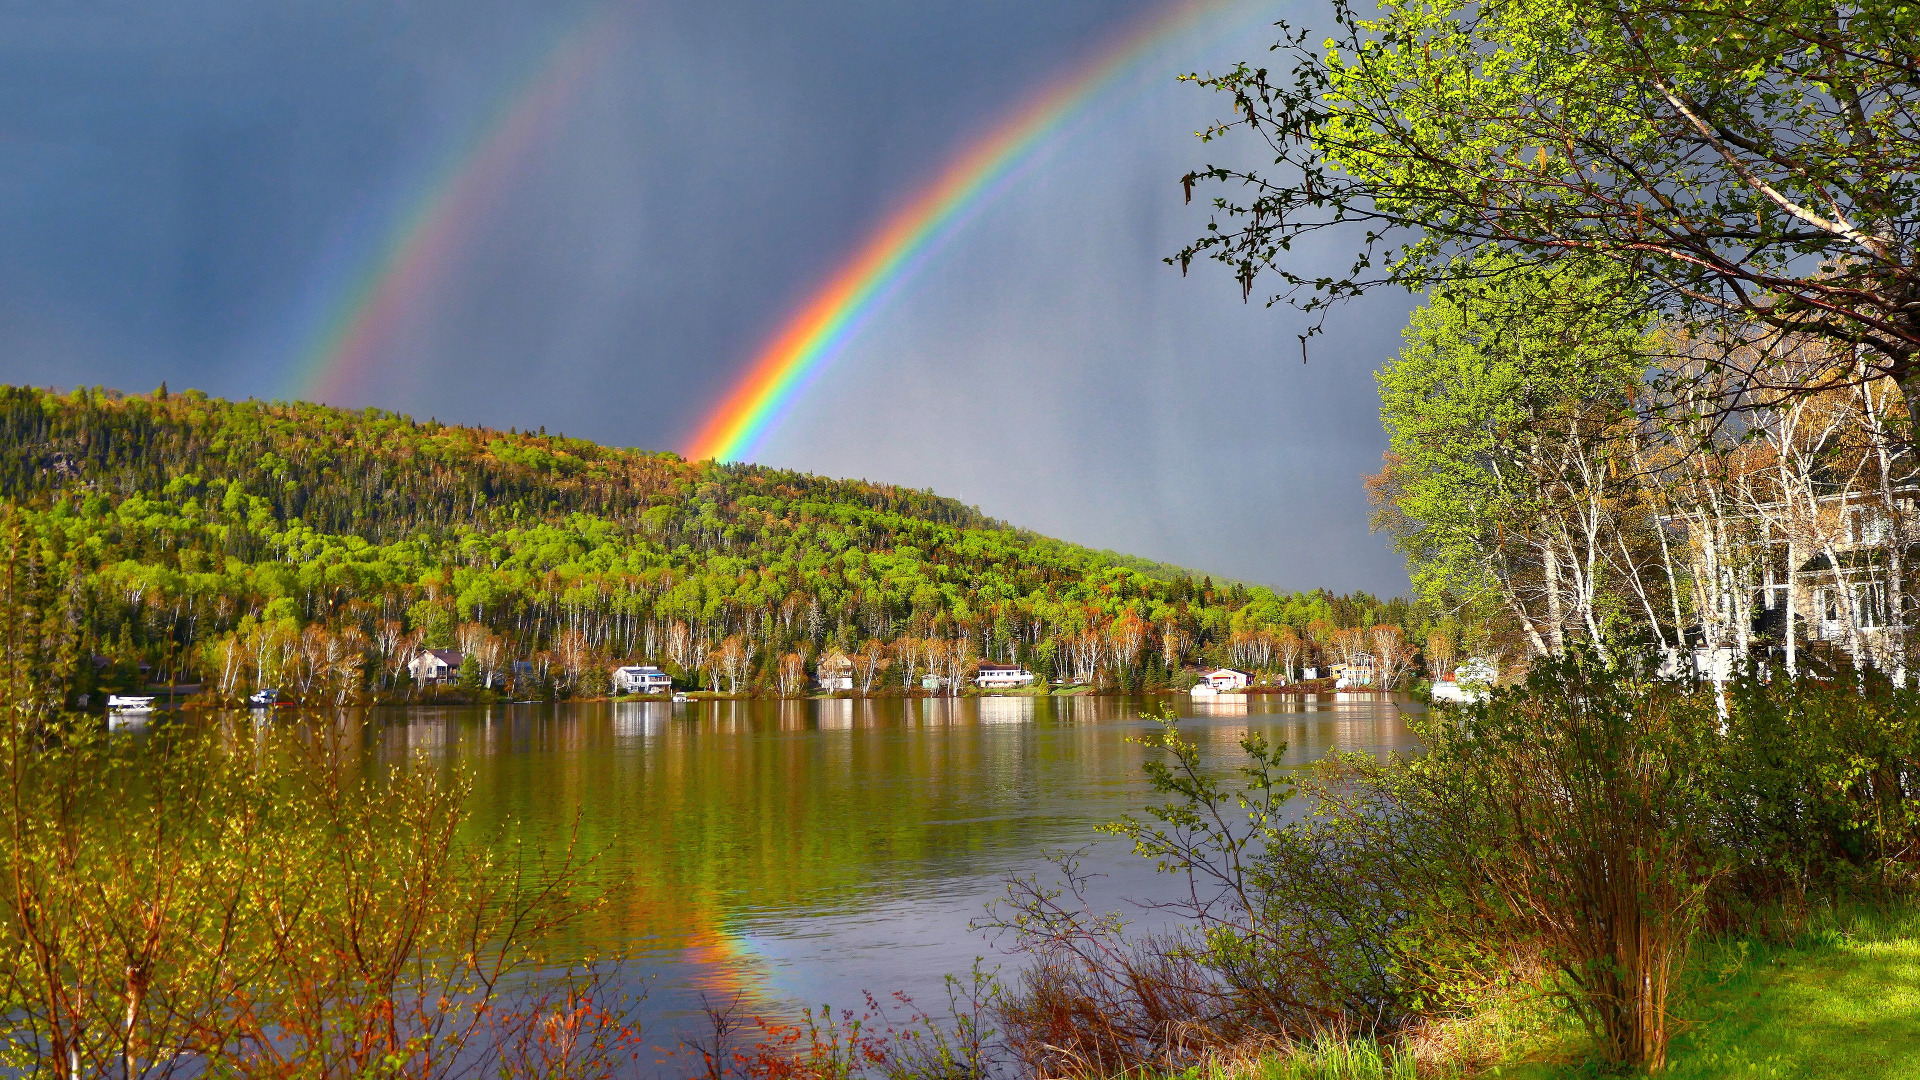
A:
[(1842, 1001)]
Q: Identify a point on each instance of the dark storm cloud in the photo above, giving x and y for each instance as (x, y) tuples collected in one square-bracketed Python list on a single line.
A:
[(184, 190)]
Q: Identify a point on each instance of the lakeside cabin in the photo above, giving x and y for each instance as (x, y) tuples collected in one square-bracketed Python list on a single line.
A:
[(1221, 681), (835, 672), (1002, 676), (1225, 679), (435, 667), (641, 679)]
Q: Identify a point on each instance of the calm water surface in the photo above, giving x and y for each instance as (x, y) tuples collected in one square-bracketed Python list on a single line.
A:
[(800, 853)]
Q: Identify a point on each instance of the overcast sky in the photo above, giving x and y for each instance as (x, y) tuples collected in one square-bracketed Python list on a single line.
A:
[(187, 189)]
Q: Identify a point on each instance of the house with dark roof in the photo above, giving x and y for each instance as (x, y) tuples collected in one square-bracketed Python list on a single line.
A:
[(641, 679), (434, 667)]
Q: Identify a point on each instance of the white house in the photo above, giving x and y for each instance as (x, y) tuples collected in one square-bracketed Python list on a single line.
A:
[(1228, 679), (835, 672), (435, 666), (1002, 676), (638, 679)]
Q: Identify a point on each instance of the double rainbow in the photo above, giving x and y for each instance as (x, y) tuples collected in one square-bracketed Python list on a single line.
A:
[(423, 245), (835, 312)]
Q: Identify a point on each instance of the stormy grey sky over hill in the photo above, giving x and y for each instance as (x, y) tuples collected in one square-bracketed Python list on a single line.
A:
[(195, 191)]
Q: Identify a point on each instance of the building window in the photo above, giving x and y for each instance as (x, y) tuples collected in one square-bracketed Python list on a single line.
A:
[(1871, 599), (1866, 525)]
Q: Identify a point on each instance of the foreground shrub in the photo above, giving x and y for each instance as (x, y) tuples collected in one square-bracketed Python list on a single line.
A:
[(1581, 817), (258, 902), (895, 1041), (1821, 783), (1576, 832)]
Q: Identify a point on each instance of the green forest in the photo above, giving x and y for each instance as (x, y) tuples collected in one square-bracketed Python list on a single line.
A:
[(176, 539)]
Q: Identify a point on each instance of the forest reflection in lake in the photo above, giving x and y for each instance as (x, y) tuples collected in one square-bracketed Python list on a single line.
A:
[(801, 852)]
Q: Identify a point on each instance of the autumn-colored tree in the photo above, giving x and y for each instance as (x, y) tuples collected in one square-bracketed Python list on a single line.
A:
[(791, 676), (1391, 655), (733, 661), (868, 662), (1174, 643), (1440, 655), (907, 653), (1288, 646)]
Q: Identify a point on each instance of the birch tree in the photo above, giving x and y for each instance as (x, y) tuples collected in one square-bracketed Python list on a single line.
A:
[(1506, 412)]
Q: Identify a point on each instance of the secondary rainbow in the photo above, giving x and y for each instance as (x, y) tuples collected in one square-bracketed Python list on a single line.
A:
[(421, 248), (835, 312)]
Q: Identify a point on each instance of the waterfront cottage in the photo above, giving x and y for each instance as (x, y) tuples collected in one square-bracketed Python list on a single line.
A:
[(639, 679), (835, 671), (1224, 679), (1002, 676), (434, 667)]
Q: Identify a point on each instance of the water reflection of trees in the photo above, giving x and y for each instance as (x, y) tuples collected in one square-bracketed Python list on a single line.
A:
[(772, 806)]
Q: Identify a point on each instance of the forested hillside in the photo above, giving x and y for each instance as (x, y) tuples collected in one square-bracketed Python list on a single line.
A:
[(180, 538)]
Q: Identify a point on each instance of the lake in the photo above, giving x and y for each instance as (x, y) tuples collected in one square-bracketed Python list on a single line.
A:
[(797, 853)]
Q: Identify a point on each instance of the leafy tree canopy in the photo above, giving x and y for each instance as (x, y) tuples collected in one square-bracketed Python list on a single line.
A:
[(1758, 158)]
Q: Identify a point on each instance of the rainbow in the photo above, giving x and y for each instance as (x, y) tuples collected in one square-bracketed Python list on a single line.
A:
[(834, 313), (417, 251)]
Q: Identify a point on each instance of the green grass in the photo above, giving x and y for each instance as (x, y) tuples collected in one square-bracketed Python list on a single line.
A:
[(1841, 1000), (1323, 1059), (1844, 1000)]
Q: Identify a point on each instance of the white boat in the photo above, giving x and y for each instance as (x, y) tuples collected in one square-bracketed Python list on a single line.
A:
[(125, 704), (1203, 690), (680, 699), (265, 699)]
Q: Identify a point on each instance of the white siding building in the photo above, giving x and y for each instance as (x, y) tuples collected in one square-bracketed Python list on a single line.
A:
[(1228, 679), (835, 672), (434, 666), (638, 679), (1002, 676)]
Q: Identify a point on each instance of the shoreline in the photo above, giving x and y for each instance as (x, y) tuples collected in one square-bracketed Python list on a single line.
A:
[(468, 698)]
